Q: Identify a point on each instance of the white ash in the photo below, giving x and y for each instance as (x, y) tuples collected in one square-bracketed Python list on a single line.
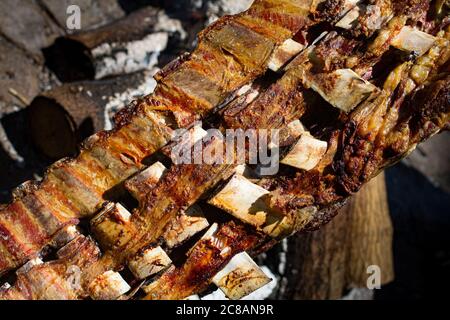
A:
[(283, 257), (266, 291), (196, 4), (120, 58), (215, 295), (48, 79), (122, 99), (219, 8), (359, 294), (260, 294), (5, 286), (169, 25)]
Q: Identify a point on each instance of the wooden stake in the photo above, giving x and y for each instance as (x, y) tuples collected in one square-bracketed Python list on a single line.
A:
[(370, 234), (326, 263)]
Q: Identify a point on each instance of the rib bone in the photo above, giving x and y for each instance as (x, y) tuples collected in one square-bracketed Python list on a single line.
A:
[(240, 277), (413, 40), (343, 88), (144, 181), (249, 202), (27, 266), (242, 199), (350, 18), (66, 235), (149, 262), (185, 226), (306, 153), (112, 225), (108, 286), (187, 223), (284, 53)]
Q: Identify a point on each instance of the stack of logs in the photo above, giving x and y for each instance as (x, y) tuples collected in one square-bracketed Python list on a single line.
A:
[(87, 69)]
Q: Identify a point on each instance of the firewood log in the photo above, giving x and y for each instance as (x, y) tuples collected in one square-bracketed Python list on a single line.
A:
[(370, 235), (19, 81), (124, 46), (59, 119), (27, 25), (94, 13)]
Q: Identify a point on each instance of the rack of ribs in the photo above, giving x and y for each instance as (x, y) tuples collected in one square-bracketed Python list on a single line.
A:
[(349, 101)]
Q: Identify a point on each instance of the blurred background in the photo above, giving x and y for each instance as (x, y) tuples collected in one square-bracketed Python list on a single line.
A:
[(66, 66)]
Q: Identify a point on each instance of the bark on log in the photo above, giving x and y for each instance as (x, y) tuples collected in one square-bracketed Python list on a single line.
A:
[(19, 77), (370, 234), (316, 263), (94, 13), (125, 46), (326, 263), (27, 25), (63, 117)]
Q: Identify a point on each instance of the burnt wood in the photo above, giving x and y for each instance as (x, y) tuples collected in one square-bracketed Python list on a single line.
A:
[(61, 118), (73, 57)]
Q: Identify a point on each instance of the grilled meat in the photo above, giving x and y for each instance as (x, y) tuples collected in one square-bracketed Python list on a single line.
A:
[(56, 280), (379, 126), (232, 52)]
